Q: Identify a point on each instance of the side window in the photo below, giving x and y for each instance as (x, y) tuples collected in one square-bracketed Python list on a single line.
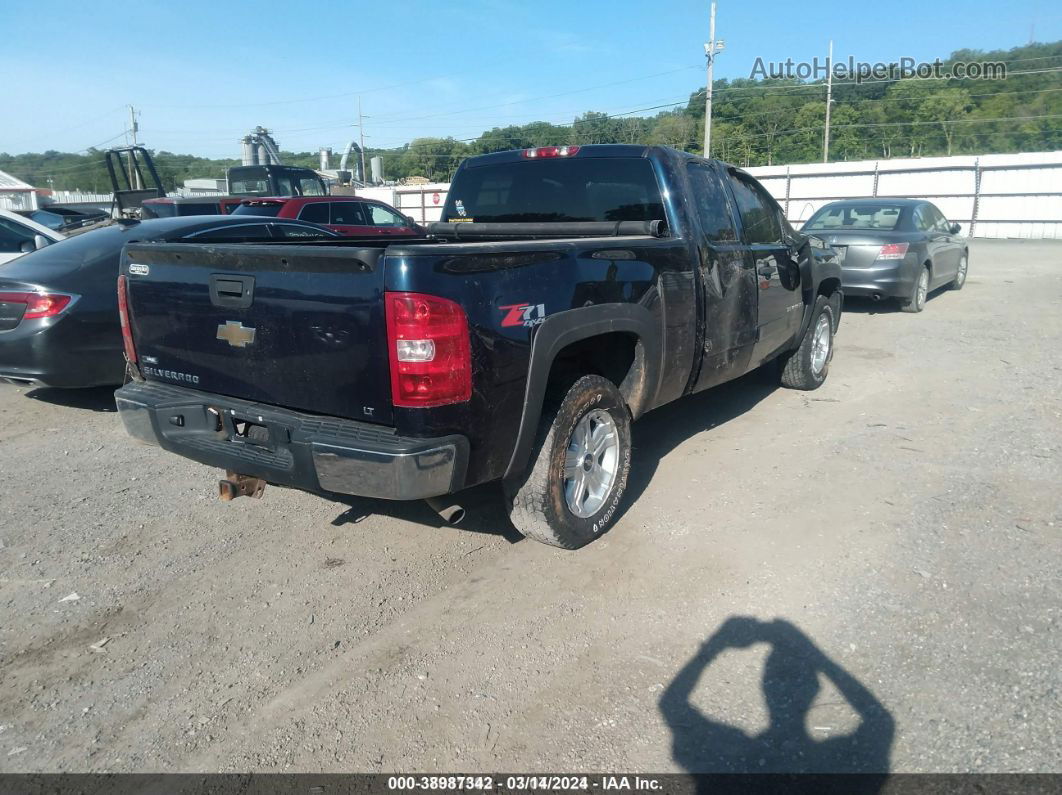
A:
[(759, 214), (940, 223), (711, 204), (381, 216), (12, 236), (308, 186), (347, 214), (284, 187), (922, 219), (315, 213)]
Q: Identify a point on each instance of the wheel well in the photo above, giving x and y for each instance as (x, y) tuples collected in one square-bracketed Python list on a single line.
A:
[(928, 265), (829, 286), (617, 356)]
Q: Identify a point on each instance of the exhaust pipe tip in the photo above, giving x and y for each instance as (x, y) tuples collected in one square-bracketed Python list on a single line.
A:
[(451, 513), (876, 296)]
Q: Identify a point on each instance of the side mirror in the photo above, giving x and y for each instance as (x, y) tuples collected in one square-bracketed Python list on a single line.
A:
[(411, 221), (40, 241), (26, 246), (789, 272), (955, 229)]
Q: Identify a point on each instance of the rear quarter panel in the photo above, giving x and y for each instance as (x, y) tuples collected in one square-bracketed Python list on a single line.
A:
[(510, 292)]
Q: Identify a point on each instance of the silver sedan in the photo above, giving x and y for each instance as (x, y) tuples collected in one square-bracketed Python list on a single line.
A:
[(893, 248)]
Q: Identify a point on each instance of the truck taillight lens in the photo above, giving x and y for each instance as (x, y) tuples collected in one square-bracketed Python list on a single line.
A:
[(551, 151), (893, 251), (123, 317), (429, 350), (38, 305)]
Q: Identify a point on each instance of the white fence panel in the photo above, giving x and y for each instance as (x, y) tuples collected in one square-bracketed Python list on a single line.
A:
[(808, 186), (1015, 195)]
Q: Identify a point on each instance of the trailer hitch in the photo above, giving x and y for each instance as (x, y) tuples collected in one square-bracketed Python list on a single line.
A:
[(236, 485)]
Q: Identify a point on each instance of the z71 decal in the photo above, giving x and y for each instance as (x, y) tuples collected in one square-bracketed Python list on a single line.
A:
[(523, 314)]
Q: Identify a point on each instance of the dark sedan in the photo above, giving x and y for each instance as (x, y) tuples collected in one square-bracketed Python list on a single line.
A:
[(893, 248), (59, 305)]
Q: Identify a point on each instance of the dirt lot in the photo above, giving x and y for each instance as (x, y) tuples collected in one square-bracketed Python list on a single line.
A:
[(902, 524)]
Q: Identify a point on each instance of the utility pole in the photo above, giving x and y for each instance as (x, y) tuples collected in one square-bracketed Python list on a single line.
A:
[(829, 101), (134, 174), (361, 136), (712, 48)]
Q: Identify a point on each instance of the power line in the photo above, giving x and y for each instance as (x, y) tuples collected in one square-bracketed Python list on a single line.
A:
[(860, 83), (392, 120)]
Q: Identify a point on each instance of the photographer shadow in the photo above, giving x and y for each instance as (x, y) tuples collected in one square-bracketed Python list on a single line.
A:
[(790, 682)]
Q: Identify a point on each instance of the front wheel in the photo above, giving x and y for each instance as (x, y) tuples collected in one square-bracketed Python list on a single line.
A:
[(807, 366), (579, 472)]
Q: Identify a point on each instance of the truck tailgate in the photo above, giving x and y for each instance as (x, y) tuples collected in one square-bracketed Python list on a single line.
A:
[(295, 326)]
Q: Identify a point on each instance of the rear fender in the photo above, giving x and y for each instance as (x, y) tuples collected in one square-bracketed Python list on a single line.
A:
[(564, 328)]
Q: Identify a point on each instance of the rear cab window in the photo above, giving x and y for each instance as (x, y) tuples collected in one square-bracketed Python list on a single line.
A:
[(855, 216), (561, 189)]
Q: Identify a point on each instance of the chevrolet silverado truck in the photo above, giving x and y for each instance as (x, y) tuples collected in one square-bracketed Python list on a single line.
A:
[(566, 292)]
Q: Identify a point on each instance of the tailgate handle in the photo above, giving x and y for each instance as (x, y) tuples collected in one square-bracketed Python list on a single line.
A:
[(231, 291)]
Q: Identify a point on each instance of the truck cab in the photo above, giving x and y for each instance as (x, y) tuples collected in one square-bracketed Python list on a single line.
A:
[(274, 180)]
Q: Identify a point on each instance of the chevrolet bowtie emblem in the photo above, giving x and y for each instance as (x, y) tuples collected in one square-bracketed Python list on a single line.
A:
[(236, 334)]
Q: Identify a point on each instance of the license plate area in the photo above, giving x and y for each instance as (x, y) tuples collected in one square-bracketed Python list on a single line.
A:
[(250, 433), (253, 430)]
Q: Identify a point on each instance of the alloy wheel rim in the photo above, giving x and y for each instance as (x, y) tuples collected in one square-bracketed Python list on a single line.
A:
[(820, 345), (591, 463), (923, 287), (962, 270)]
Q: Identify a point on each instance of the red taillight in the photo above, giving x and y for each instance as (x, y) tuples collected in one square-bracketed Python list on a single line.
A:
[(38, 304), (123, 318), (893, 251), (551, 151), (428, 345)]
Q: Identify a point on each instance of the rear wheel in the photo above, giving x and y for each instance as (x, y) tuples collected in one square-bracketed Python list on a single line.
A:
[(808, 365), (917, 301), (960, 276), (579, 471)]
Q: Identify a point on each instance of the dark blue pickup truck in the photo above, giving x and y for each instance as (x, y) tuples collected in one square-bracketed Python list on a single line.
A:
[(566, 292)]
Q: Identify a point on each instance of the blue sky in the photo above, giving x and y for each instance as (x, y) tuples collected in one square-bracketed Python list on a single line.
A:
[(204, 73)]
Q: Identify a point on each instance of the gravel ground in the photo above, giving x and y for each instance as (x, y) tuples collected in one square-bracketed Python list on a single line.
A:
[(864, 577)]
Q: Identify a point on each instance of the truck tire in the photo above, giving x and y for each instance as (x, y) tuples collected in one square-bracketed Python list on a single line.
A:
[(919, 293), (960, 277), (808, 366), (578, 474)]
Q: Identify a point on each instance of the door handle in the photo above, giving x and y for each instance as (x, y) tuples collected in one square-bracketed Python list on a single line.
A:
[(231, 291)]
